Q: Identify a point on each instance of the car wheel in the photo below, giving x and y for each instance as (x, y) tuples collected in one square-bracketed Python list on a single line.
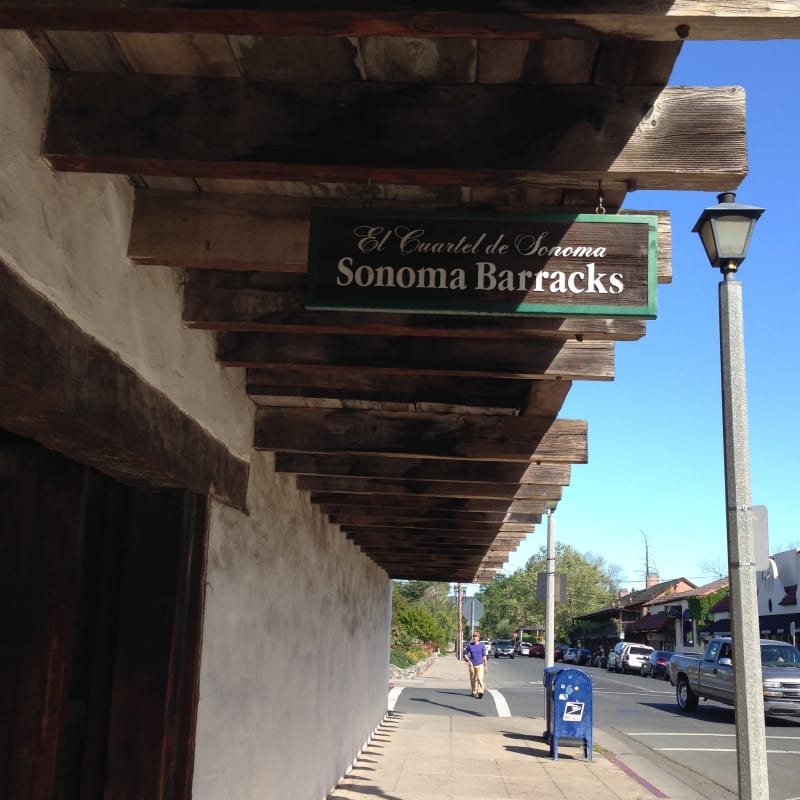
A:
[(511, 656), (687, 699)]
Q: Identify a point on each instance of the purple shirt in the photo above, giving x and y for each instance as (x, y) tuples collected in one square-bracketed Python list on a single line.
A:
[(475, 653)]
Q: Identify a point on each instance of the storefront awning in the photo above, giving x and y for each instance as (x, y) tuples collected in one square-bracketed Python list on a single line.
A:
[(649, 624), (768, 625), (720, 627)]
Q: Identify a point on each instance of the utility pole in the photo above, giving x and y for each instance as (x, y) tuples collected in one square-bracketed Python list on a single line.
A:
[(459, 606)]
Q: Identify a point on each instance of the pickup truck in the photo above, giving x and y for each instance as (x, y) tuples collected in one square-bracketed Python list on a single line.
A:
[(710, 676)]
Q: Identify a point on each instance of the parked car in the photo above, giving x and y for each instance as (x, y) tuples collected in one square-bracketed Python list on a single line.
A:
[(632, 655), (523, 648), (656, 665), (559, 650), (570, 655), (584, 656), (613, 655), (536, 651), (503, 647), (627, 657), (488, 647)]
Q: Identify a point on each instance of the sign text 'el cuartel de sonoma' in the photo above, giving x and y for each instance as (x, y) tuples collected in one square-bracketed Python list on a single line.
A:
[(548, 264)]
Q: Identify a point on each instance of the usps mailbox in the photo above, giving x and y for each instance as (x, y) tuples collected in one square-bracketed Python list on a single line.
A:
[(569, 708)]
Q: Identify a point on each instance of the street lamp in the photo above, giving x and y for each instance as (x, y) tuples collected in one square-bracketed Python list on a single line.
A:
[(725, 231)]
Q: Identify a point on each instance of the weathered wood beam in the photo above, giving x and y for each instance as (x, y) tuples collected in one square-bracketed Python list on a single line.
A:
[(108, 417), (533, 359), (456, 526), (214, 230), (392, 538), (428, 469), (487, 491), (402, 503), (678, 138), (271, 386), (649, 19), (468, 436), (267, 302), (354, 515)]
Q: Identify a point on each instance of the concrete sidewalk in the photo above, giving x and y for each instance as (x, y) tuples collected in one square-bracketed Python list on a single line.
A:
[(429, 757)]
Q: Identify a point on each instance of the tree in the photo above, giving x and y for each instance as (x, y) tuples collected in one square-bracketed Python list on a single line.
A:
[(715, 566), (422, 612), (591, 584)]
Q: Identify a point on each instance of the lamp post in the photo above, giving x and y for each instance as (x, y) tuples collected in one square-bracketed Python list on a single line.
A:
[(550, 598), (725, 231)]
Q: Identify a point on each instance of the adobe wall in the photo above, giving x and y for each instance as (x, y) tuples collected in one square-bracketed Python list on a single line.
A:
[(67, 235), (295, 641), (295, 660)]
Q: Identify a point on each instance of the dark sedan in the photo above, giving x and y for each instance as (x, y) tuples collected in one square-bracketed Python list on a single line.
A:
[(656, 664)]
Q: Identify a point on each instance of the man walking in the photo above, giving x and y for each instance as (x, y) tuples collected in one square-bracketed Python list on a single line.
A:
[(475, 656)]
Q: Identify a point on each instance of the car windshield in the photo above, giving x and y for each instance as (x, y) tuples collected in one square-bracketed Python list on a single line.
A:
[(504, 642), (777, 656)]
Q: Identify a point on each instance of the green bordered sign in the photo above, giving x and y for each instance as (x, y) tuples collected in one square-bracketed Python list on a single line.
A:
[(442, 263)]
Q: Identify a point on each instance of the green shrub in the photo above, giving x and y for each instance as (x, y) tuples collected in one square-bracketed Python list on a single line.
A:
[(399, 658)]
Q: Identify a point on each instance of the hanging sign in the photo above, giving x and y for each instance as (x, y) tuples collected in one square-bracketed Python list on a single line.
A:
[(555, 264)]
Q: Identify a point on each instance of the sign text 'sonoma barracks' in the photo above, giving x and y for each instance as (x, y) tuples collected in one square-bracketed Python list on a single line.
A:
[(564, 265)]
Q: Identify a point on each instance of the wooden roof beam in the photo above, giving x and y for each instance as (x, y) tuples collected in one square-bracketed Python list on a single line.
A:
[(278, 386), (422, 504), (545, 359), (486, 491), (469, 436), (650, 20), (676, 138), (360, 517), (428, 469)]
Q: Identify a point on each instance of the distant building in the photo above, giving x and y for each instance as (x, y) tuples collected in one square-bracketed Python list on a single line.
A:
[(607, 625), (777, 595), (668, 623)]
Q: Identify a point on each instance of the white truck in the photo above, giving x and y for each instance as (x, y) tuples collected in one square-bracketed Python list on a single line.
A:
[(710, 676)]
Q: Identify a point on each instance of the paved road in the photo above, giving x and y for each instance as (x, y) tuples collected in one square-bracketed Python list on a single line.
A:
[(641, 710)]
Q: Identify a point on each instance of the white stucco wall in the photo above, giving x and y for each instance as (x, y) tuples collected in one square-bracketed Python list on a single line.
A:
[(295, 643), (295, 649), (771, 587), (67, 236)]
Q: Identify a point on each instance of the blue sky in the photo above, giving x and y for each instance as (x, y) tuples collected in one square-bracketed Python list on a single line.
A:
[(655, 432)]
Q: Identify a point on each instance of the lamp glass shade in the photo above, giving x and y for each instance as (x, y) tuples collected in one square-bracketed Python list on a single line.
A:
[(706, 231), (725, 230), (732, 234)]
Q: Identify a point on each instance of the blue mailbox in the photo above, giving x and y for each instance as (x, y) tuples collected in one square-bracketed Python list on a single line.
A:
[(568, 694)]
